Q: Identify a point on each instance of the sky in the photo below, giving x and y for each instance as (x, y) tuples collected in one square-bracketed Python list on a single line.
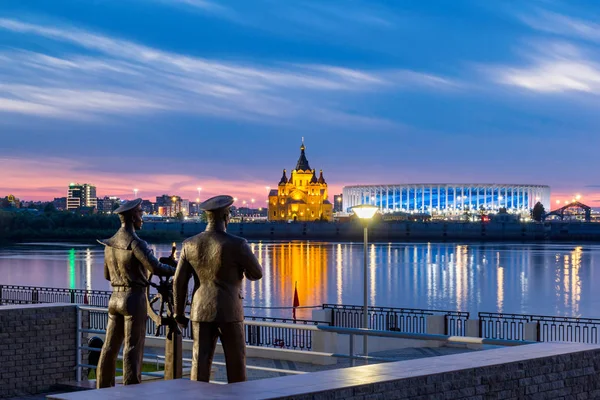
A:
[(170, 95)]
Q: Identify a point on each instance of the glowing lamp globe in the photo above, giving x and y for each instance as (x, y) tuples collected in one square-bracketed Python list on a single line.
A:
[(365, 211)]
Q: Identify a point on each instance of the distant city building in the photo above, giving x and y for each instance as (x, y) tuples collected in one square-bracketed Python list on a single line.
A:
[(448, 199), (107, 204), (195, 208), (81, 196), (185, 207), (302, 197), (60, 203), (337, 203), (147, 206), (168, 206)]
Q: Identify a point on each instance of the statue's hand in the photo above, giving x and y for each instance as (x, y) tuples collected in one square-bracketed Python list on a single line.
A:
[(169, 261), (182, 320)]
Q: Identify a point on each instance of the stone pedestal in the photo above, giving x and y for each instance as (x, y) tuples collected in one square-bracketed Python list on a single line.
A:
[(173, 356)]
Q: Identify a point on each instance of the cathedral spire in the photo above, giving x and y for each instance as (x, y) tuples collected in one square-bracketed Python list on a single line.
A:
[(321, 179), (284, 178), (302, 164), (314, 177)]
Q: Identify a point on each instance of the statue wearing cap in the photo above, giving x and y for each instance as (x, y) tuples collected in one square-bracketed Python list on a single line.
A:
[(128, 261), (218, 263)]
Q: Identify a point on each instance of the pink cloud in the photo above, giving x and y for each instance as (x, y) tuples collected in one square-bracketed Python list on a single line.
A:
[(49, 178), (44, 179)]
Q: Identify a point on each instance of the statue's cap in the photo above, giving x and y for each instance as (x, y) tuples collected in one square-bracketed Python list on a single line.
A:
[(127, 206), (216, 203)]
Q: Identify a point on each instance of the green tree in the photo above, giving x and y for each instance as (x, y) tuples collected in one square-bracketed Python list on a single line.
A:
[(537, 214), (179, 216), (49, 208)]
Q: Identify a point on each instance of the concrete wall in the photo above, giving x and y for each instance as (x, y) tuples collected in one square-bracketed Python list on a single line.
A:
[(542, 372), (37, 347), (537, 371), (397, 231)]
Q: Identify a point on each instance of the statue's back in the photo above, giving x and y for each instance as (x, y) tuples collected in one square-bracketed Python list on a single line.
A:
[(217, 259)]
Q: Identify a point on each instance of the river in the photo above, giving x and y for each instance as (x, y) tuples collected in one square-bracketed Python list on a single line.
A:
[(547, 279)]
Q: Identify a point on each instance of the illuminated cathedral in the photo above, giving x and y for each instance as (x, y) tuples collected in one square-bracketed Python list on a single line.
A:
[(302, 197)]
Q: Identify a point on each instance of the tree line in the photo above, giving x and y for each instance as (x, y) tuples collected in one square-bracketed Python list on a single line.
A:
[(23, 225)]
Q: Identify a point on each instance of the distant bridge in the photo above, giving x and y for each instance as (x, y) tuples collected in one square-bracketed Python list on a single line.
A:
[(560, 212)]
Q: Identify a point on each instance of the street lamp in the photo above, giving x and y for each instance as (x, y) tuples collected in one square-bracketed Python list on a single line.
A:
[(135, 192), (199, 189), (365, 213)]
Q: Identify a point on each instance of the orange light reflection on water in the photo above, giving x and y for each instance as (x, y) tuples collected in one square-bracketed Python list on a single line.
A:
[(304, 264)]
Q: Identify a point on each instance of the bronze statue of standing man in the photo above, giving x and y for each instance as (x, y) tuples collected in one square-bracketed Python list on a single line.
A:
[(127, 264), (218, 263)]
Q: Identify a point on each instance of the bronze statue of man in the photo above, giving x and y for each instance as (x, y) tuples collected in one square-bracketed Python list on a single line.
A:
[(128, 261), (218, 262)]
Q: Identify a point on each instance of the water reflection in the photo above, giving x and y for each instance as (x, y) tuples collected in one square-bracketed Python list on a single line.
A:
[(552, 279), (72, 269)]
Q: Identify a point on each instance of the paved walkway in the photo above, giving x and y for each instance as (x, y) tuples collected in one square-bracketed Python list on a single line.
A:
[(395, 355), (221, 374)]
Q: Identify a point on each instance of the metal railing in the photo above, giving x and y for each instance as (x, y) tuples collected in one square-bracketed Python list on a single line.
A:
[(157, 358), (548, 328), (305, 327), (14, 294), (410, 320), (281, 336), (567, 329), (502, 326), (286, 334)]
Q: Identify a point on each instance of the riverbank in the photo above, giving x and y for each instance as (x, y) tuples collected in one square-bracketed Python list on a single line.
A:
[(165, 232), (398, 231)]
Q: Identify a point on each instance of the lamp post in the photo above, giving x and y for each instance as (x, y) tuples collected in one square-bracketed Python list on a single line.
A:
[(365, 213), (135, 192)]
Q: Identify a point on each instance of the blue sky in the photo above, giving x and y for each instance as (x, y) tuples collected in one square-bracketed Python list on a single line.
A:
[(171, 95)]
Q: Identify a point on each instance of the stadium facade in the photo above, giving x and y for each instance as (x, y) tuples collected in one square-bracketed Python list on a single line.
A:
[(447, 198)]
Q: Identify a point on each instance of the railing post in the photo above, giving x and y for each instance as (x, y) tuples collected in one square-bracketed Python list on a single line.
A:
[(446, 324), (72, 296), (78, 341), (351, 350)]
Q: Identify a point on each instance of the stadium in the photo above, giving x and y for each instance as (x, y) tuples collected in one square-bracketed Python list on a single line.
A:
[(447, 198)]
